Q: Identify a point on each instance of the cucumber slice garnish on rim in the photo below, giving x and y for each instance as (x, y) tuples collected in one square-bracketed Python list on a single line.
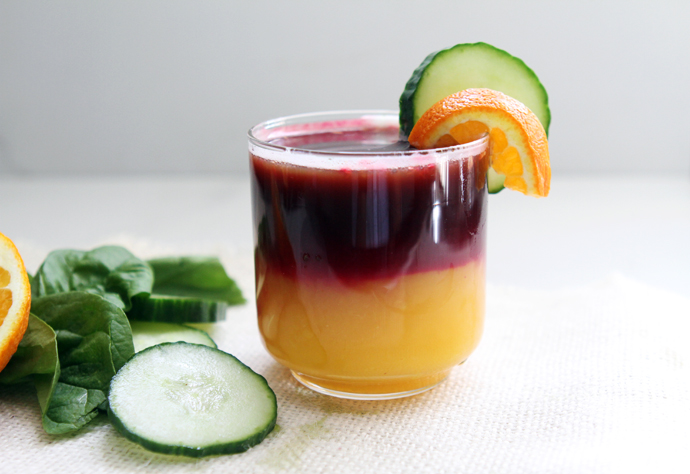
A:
[(191, 400), (494, 181), (472, 65)]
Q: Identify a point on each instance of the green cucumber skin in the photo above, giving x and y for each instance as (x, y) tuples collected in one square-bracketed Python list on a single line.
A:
[(407, 119), (177, 310), (192, 451), (407, 99)]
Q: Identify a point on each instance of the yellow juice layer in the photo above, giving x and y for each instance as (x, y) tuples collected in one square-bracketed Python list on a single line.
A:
[(375, 336)]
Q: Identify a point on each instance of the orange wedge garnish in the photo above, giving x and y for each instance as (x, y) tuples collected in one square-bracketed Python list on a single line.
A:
[(15, 300), (519, 148)]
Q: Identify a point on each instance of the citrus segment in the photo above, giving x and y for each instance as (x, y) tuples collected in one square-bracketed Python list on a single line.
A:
[(15, 300), (468, 131), (519, 148), (508, 162)]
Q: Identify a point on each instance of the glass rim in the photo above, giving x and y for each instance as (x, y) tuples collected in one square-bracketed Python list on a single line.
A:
[(362, 113)]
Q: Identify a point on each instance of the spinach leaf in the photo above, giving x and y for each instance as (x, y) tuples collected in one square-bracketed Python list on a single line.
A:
[(111, 271), (94, 340), (36, 354), (67, 408), (64, 407), (195, 277)]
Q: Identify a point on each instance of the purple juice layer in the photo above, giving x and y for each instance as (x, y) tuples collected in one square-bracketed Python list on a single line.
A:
[(355, 225)]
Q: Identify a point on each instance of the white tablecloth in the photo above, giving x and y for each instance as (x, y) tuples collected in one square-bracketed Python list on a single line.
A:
[(589, 379)]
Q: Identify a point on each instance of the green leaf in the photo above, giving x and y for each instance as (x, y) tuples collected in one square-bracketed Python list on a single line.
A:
[(93, 340), (194, 277), (64, 407), (111, 272), (69, 408), (36, 354), (94, 337)]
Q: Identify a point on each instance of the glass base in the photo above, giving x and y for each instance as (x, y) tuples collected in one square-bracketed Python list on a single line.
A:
[(381, 390)]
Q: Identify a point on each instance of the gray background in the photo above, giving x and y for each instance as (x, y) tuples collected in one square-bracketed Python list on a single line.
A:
[(161, 86)]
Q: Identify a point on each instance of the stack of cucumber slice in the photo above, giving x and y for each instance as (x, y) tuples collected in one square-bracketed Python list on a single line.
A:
[(472, 65), (186, 290), (179, 394)]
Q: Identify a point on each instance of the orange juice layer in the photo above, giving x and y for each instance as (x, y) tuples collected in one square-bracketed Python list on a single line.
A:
[(377, 336)]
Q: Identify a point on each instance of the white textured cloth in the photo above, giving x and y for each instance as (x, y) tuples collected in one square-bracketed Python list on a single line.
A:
[(585, 380)]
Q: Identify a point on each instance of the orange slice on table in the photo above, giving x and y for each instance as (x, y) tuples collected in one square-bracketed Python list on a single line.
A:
[(519, 148), (15, 300)]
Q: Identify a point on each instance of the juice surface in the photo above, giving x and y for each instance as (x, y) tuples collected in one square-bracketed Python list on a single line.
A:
[(370, 280)]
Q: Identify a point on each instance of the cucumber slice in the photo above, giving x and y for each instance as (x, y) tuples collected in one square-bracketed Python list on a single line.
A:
[(147, 334), (191, 400), (494, 181), (472, 65), (175, 309)]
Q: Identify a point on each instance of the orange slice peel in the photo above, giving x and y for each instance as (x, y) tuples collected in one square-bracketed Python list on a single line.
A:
[(519, 147), (15, 300)]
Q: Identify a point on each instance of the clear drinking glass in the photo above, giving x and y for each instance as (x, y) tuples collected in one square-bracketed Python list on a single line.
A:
[(369, 256)]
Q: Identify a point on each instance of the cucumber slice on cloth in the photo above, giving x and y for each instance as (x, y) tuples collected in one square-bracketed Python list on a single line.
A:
[(191, 400), (472, 65), (147, 334), (174, 309)]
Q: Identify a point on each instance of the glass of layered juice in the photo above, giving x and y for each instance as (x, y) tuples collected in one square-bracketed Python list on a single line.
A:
[(369, 255)]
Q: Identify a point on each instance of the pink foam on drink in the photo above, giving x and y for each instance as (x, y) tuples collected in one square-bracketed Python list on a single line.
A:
[(369, 142)]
